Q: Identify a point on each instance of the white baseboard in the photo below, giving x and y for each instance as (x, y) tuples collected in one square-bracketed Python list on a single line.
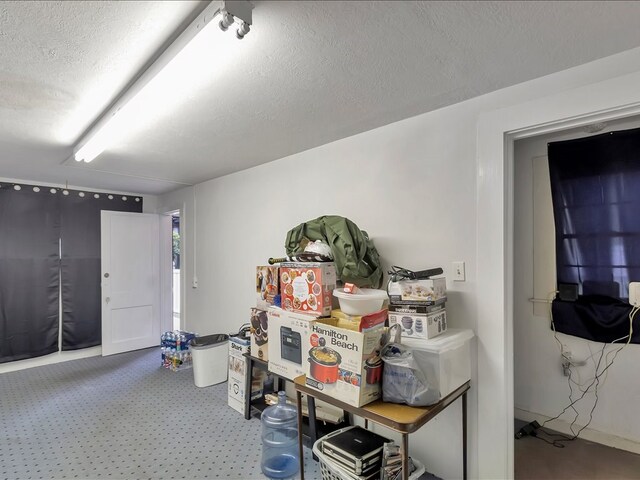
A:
[(50, 359), (587, 434)]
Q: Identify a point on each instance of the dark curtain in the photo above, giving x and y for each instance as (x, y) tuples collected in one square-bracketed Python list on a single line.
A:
[(81, 298), (29, 266), (595, 317), (595, 187)]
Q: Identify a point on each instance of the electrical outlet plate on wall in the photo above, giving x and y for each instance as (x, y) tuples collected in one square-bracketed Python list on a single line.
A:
[(634, 293), (458, 272)]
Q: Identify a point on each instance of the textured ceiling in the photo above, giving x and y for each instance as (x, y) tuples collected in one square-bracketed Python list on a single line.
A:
[(307, 74)]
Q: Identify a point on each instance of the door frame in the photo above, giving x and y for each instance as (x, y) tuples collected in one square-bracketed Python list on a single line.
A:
[(166, 269), (497, 131)]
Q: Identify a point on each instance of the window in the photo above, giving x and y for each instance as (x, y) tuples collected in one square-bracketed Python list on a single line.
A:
[(595, 185), (595, 188)]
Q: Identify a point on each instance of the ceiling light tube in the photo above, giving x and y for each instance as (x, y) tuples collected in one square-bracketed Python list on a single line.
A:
[(106, 129)]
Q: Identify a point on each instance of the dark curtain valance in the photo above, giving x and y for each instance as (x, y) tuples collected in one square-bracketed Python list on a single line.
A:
[(37, 225)]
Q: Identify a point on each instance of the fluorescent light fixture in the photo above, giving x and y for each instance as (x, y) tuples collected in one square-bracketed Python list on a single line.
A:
[(182, 59)]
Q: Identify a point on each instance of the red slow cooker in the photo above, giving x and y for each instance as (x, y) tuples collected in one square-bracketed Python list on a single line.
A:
[(373, 366), (324, 363)]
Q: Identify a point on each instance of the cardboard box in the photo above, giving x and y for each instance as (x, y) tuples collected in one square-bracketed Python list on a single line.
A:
[(359, 323), (432, 291), (259, 334), (287, 347), (419, 321), (238, 369), (344, 364), (267, 286), (307, 287)]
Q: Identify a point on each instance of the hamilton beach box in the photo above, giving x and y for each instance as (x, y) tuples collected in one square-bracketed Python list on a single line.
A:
[(287, 341), (344, 364)]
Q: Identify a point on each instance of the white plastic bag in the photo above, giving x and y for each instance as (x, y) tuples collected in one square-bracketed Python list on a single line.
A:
[(404, 379)]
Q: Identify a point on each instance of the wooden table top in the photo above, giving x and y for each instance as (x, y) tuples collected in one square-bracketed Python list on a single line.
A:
[(401, 418)]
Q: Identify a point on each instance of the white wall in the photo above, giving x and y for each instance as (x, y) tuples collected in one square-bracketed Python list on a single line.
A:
[(398, 183), (414, 186), (541, 389), (149, 205)]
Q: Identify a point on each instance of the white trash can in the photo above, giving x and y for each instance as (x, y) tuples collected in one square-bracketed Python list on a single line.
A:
[(210, 356)]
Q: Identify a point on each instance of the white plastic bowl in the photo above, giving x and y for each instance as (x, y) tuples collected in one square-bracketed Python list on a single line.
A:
[(367, 300)]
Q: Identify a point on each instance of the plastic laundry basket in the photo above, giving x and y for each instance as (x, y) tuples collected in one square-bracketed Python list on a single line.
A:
[(330, 469), (210, 359)]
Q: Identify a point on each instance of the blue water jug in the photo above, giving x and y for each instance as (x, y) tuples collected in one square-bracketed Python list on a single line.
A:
[(280, 457)]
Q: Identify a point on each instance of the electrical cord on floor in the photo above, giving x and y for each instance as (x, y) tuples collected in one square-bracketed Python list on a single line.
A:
[(559, 442)]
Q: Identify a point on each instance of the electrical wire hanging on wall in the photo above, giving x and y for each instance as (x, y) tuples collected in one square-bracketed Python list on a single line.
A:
[(558, 439)]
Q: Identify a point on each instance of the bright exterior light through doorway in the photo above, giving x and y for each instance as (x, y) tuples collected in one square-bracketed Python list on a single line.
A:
[(175, 232)]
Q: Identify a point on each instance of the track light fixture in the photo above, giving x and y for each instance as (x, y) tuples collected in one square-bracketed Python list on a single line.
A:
[(242, 30), (115, 120), (226, 20)]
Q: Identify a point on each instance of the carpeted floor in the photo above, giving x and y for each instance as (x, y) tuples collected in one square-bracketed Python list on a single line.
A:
[(123, 417)]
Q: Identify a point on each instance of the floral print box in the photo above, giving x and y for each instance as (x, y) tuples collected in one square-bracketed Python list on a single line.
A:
[(307, 287)]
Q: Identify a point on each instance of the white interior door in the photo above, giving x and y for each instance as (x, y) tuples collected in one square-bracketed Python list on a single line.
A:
[(131, 313)]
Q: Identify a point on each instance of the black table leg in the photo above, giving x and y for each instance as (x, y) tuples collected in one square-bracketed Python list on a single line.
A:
[(247, 389), (313, 432), (300, 449), (405, 456), (464, 435)]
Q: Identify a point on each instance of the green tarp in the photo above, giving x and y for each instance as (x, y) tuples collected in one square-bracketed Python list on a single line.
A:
[(356, 258)]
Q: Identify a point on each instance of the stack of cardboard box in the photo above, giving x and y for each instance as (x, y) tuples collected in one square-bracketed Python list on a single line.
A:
[(418, 306), (295, 328)]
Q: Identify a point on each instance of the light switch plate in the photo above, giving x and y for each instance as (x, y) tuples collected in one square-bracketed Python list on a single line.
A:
[(634, 293), (458, 272)]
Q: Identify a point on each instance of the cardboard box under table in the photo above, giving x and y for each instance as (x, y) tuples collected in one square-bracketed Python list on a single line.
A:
[(344, 364), (237, 375)]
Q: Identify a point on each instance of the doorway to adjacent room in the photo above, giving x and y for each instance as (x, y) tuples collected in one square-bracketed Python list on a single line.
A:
[(175, 277)]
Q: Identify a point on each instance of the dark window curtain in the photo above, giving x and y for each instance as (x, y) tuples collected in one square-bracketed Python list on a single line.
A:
[(595, 187), (29, 272), (81, 299)]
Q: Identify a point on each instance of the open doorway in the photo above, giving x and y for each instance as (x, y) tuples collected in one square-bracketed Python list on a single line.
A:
[(175, 276), (561, 381)]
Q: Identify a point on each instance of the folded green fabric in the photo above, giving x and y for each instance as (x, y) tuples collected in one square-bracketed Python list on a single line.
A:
[(356, 258)]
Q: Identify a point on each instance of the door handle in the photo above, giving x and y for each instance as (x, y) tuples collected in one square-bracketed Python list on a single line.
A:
[(106, 275), (108, 299)]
